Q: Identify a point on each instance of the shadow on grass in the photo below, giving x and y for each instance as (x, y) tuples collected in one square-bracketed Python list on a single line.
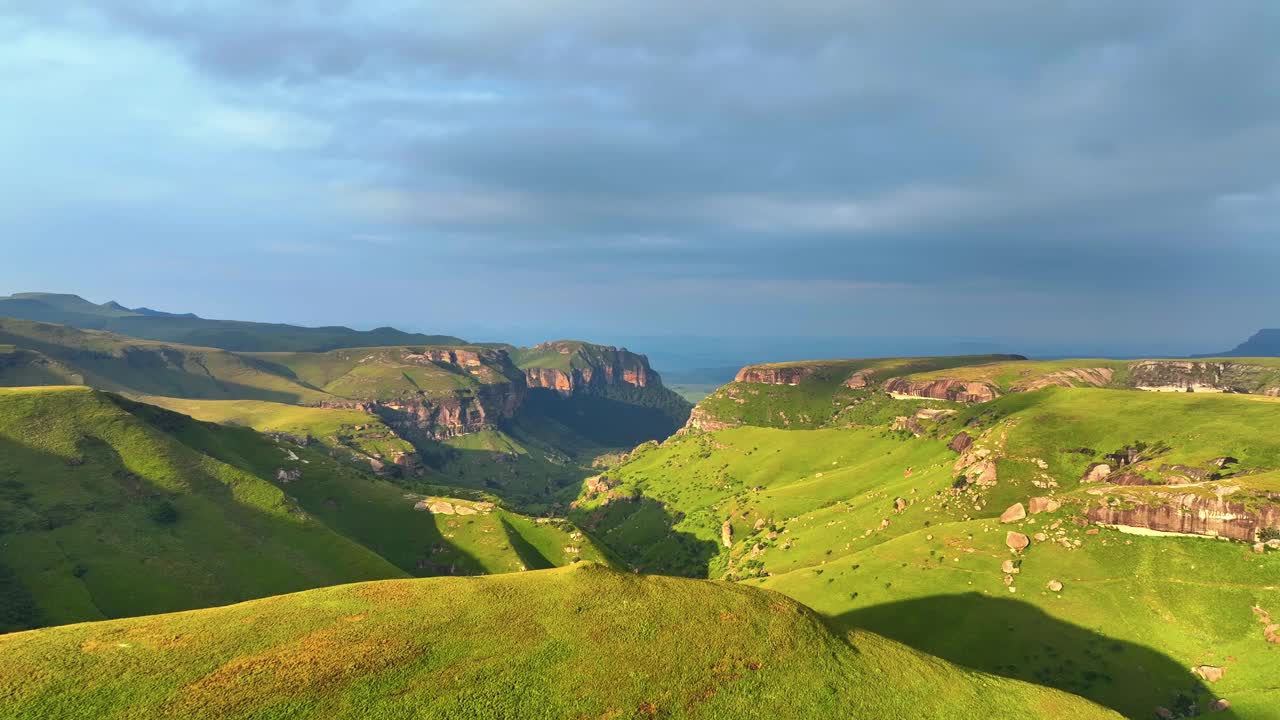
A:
[(528, 554), (1017, 640)]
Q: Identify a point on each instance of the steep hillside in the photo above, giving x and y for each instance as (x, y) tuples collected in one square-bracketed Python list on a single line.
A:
[(893, 522), (113, 508), (104, 515), (608, 395), (583, 642), (188, 329)]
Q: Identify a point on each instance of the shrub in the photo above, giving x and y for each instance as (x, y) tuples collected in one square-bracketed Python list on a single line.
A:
[(164, 513)]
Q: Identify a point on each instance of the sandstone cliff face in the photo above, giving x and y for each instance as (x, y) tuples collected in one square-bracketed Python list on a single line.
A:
[(773, 375), (598, 368), (440, 418), (700, 419), (1204, 376), (953, 390), (1074, 377), (1193, 514)]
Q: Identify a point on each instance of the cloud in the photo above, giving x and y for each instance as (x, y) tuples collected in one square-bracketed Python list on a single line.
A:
[(1093, 149)]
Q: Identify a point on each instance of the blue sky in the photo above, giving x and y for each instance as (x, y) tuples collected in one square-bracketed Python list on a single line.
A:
[(506, 169)]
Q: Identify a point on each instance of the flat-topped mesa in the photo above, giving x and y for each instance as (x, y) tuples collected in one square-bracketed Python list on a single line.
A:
[(586, 368), (953, 390), (774, 374), (1205, 376), (1192, 515)]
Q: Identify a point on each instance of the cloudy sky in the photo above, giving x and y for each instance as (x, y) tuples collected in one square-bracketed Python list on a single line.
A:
[(503, 168)]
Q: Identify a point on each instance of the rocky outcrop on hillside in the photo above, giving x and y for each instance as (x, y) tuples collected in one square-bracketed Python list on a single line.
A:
[(1073, 377), (774, 374), (701, 419), (593, 368), (1204, 376), (953, 390), (1191, 513)]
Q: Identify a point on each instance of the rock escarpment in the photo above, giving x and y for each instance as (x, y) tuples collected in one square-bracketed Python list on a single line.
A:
[(1205, 376), (774, 374), (1192, 514), (589, 368), (953, 390)]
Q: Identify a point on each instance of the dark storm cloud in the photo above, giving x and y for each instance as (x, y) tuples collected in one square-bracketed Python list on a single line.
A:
[(1095, 147)]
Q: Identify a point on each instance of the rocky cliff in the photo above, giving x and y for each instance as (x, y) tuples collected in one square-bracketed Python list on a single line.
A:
[(1193, 514), (571, 367), (1205, 376), (953, 390), (774, 374)]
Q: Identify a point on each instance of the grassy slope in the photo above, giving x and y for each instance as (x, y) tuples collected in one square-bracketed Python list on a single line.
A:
[(123, 364), (334, 428), (821, 400), (82, 525), (827, 491), (586, 642), (378, 373)]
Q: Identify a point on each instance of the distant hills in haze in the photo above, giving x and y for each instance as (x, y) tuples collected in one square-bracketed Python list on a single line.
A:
[(1264, 343), (190, 329)]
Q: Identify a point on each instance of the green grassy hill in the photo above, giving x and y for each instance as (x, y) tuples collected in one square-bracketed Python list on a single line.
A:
[(582, 642), (881, 525), (188, 329), (111, 508)]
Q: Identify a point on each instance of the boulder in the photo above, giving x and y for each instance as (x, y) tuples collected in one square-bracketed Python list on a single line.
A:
[(1039, 505), (1259, 548), (1092, 531), (1008, 579), (726, 534), (464, 510), (960, 442), (1219, 705), (1055, 586), (1016, 541), (1008, 567), (1040, 537), (440, 507), (1165, 713), (759, 524), (1209, 673), (1015, 513), (899, 504), (1097, 472)]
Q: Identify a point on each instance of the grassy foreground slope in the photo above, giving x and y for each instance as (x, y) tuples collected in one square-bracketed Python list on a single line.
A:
[(580, 642)]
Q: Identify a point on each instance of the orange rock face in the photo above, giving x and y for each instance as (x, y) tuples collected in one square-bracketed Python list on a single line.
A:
[(953, 390), (773, 375)]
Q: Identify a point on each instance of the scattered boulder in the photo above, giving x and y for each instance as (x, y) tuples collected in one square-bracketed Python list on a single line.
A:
[(1097, 472), (1015, 513), (1209, 673), (1259, 548), (1092, 531), (726, 534), (759, 524), (1041, 537), (1219, 705), (1008, 567), (287, 476), (1039, 505), (960, 442), (1165, 713), (883, 524), (1055, 586), (899, 504), (1016, 540), (1008, 579)]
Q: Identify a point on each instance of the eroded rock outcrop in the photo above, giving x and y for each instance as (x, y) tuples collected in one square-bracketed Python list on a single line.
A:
[(1073, 377), (953, 390), (1191, 514), (1204, 376), (593, 367), (774, 374)]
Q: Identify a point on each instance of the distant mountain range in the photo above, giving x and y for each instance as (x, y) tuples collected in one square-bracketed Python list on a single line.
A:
[(190, 329), (1264, 343)]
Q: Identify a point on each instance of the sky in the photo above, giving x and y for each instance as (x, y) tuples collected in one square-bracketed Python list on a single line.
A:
[(1089, 174)]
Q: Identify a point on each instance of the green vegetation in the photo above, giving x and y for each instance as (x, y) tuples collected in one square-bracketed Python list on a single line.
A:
[(880, 529), (188, 329), (582, 642), (111, 508)]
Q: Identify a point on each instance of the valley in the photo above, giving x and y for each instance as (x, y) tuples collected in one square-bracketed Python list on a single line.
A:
[(1068, 534)]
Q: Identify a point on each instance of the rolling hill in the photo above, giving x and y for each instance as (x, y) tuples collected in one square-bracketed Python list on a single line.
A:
[(580, 642), (883, 510), (112, 508)]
